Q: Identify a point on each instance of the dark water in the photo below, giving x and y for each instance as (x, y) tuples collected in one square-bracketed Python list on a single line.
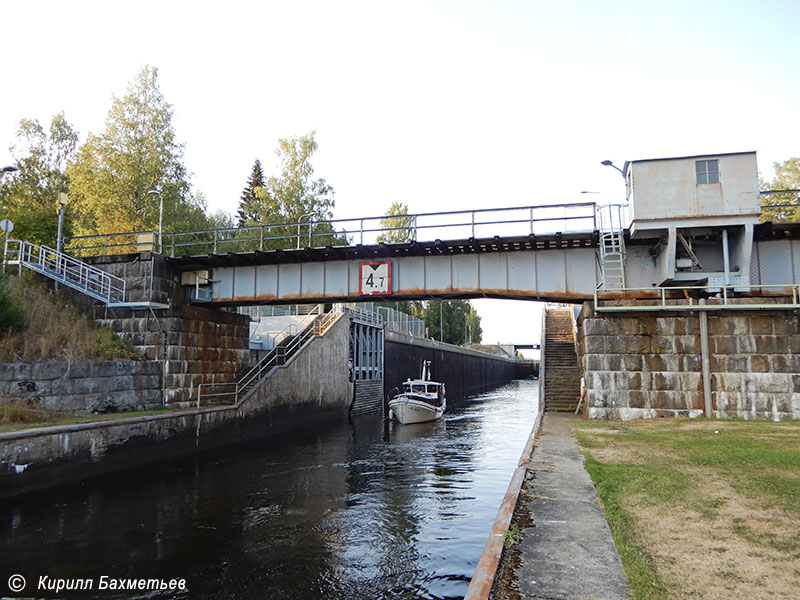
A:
[(352, 510)]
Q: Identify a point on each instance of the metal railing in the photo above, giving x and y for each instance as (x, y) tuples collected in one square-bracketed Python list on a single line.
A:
[(460, 224), (276, 337), (278, 356), (676, 298), (69, 271)]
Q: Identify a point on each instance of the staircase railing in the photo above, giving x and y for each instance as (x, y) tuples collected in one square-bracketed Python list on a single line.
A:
[(68, 271), (276, 357)]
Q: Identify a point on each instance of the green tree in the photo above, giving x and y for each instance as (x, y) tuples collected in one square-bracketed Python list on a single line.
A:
[(787, 177), (457, 318), (294, 196), (397, 225), (28, 197), (249, 202), (138, 152)]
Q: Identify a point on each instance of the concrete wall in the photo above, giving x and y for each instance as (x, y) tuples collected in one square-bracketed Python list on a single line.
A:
[(310, 388), (643, 365), (82, 388), (464, 372)]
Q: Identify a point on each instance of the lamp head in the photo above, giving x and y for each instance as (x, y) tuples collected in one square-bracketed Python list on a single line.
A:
[(607, 163)]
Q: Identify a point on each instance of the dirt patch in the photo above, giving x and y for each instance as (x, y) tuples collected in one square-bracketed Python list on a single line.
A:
[(731, 555)]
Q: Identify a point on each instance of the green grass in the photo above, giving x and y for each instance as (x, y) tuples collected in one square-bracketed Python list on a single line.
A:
[(612, 483), (16, 418), (666, 463)]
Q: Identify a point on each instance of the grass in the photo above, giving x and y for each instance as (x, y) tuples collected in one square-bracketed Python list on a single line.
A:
[(14, 417), (40, 325), (702, 493)]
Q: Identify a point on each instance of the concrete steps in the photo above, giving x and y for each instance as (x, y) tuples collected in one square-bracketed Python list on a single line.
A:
[(561, 375)]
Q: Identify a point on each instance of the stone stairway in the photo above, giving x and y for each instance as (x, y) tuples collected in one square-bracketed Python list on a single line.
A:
[(561, 373)]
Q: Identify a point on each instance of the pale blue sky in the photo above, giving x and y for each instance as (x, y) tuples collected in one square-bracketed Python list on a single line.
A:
[(440, 105)]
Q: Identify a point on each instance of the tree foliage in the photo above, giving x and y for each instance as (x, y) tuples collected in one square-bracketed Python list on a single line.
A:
[(397, 225), (28, 197), (294, 196), (459, 320), (787, 177), (138, 152)]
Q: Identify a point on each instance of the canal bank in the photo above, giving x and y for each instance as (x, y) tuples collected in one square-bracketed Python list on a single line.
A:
[(349, 510), (562, 546)]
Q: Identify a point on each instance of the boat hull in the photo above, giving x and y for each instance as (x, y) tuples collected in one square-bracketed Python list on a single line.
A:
[(408, 411)]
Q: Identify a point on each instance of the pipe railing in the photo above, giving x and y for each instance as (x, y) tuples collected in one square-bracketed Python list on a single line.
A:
[(520, 220), (677, 298)]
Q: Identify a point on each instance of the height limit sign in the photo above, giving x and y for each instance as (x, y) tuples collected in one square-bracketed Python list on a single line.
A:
[(375, 277)]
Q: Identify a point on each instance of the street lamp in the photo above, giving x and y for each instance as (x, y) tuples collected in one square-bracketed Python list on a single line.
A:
[(608, 163), (160, 215), (9, 169)]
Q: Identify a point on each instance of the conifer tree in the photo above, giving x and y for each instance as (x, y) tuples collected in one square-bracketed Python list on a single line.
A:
[(249, 203)]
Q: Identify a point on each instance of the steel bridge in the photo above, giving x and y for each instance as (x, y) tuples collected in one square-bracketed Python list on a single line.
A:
[(558, 252)]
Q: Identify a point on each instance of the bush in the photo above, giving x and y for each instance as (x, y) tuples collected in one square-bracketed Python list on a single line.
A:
[(12, 317)]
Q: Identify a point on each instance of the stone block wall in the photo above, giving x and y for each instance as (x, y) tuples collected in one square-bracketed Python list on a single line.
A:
[(648, 365), (148, 277), (82, 388), (200, 345)]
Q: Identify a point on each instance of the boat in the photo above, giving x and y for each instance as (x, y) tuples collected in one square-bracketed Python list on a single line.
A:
[(420, 400)]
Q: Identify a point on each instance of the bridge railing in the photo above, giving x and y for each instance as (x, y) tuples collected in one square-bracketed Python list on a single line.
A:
[(685, 298), (449, 225)]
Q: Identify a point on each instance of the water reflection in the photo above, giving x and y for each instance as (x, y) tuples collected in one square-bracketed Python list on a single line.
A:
[(361, 510)]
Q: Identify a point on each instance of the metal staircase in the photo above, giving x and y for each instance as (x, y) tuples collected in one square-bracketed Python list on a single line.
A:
[(71, 272), (612, 246), (235, 392)]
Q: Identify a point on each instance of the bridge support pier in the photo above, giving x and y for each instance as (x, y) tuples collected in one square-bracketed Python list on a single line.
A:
[(642, 365)]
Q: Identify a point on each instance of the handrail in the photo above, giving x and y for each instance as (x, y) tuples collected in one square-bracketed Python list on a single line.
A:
[(356, 230), (682, 301), (70, 271)]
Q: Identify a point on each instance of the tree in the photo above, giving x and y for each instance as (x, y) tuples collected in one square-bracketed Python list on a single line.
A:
[(397, 225), (457, 317), (249, 202), (294, 197), (29, 196), (138, 152), (787, 177)]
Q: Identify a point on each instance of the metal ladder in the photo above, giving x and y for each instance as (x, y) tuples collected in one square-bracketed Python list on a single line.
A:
[(612, 246), (70, 272)]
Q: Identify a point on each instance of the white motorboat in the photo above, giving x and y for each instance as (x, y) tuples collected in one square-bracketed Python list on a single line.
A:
[(420, 400)]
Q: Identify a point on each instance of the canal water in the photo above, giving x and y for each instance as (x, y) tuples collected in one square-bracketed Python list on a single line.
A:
[(361, 510)]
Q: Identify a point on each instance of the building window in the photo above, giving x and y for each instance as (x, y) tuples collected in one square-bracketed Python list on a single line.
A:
[(707, 171)]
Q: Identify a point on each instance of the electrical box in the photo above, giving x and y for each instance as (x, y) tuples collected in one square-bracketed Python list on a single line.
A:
[(192, 277)]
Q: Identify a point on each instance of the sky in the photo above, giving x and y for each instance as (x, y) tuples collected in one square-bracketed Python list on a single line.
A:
[(443, 105)]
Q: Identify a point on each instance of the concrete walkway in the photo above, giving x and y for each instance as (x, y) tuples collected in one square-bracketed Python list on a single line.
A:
[(567, 553)]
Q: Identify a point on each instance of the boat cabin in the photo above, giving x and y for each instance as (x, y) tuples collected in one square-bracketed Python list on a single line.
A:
[(432, 391)]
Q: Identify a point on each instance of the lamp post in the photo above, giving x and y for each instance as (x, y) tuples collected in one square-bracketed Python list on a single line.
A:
[(160, 215), (608, 163)]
